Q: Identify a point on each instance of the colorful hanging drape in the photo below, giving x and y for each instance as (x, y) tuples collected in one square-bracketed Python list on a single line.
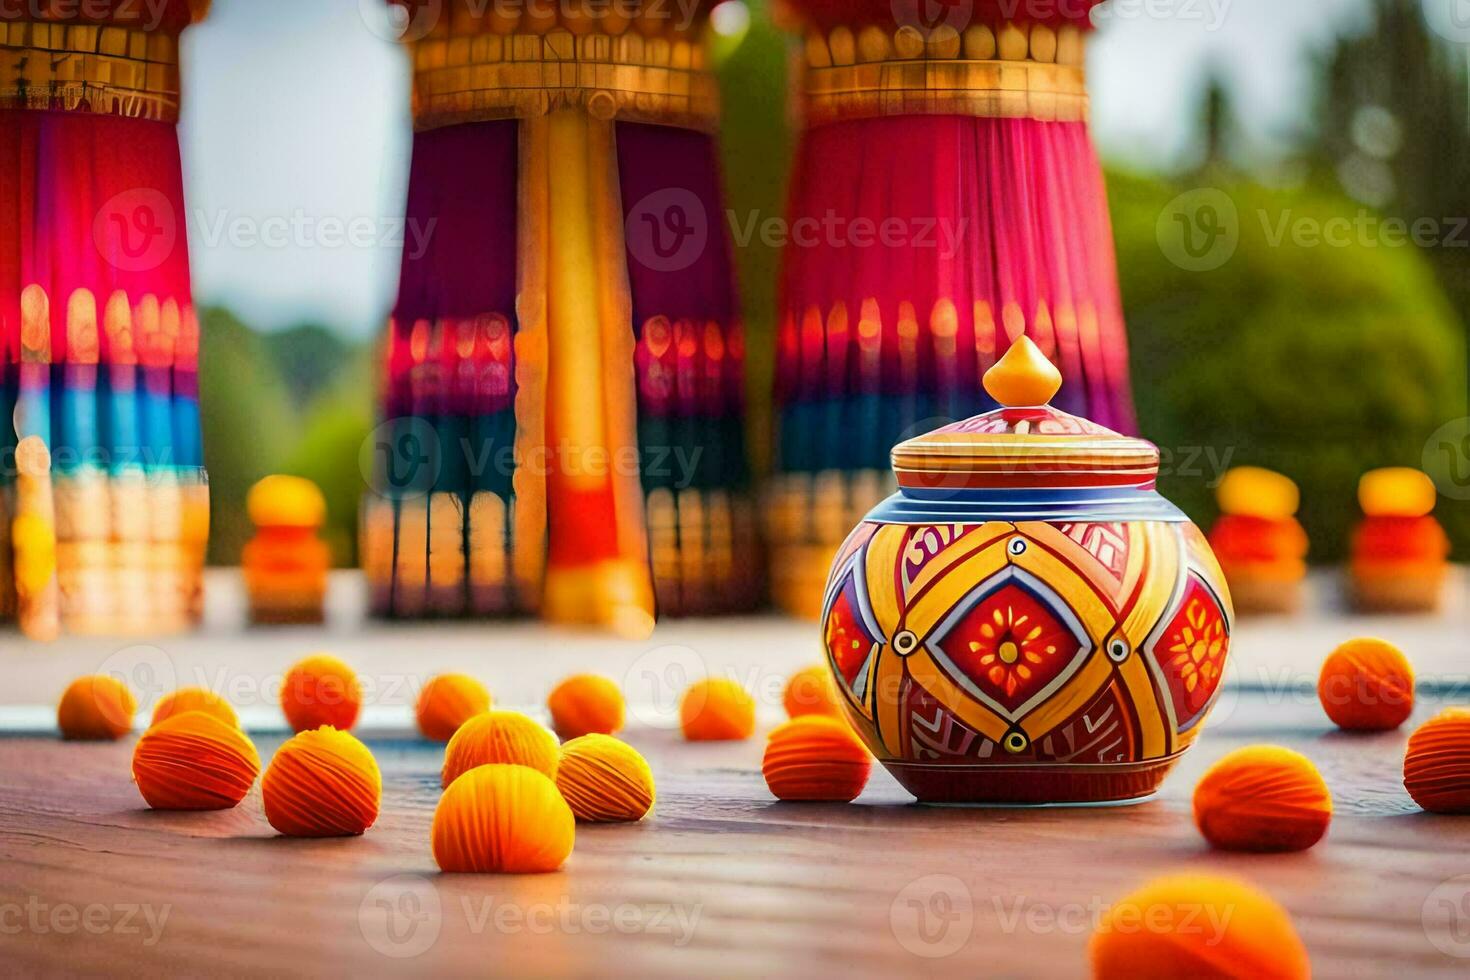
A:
[(563, 402), (946, 200), (105, 510)]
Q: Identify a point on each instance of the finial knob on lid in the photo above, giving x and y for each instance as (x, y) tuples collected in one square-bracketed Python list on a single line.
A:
[(1023, 377), (1026, 443)]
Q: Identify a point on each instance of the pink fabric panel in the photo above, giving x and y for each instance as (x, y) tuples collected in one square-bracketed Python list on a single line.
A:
[(909, 211), (88, 201)]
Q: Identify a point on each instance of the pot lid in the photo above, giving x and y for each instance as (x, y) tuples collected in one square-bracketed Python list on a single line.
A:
[(1025, 443)]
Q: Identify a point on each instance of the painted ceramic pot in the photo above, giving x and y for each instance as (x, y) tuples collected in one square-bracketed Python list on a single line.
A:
[(1027, 620)]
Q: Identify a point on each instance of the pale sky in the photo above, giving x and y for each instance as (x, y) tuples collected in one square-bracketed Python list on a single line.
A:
[(296, 130)]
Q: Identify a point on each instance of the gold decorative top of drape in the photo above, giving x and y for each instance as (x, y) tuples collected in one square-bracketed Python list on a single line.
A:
[(1015, 71), (111, 70), (466, 74)]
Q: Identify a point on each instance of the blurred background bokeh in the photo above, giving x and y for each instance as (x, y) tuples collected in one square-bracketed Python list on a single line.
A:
[(1290, 186)]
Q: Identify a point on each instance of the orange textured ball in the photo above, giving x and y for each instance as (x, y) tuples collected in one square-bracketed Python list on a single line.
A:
[(322, 783), (1367, 685), (503, 819), (1262, 798), (96, 707), (586, 704), (194, 699), (321, 690), (604, 779), (815, 757), (499, 737), (447, 702), (1437, 763), (1197, 926), (716, 710), (194, 761), (810, 692)]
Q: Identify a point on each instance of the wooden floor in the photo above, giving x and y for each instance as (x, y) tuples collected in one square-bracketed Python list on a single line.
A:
[(720, 880)]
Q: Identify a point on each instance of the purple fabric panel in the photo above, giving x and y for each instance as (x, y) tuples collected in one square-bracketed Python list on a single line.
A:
[(462, 218), (678, 250)]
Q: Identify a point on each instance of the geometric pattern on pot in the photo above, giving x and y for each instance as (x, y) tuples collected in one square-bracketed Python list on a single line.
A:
[(1093, 605), (1011, 643), (850, 633), (1004, 569), (1186, 650)]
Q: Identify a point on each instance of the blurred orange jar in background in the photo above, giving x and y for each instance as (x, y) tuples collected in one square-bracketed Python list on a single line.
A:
[(1399, 551), (1261, 546), (286, 562)]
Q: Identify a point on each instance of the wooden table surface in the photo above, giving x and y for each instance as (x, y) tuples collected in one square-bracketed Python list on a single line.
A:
[(720, 880)]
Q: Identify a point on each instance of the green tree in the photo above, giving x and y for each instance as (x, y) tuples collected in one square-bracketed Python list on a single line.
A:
[(756, 145), (310, 358), (248, 424), (332, 433), (1318, 361), (1394, 114)]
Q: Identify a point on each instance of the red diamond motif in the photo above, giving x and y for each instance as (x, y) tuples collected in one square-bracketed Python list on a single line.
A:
[(1191, 651), (847, 641), (1011, 645)]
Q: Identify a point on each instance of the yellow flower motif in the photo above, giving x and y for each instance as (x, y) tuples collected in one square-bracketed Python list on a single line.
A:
[(1009, 649), (1198, 646)]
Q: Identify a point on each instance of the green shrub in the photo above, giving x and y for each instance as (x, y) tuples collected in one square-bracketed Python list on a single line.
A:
[(1321, 362), (248, 424), (332, 433)]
